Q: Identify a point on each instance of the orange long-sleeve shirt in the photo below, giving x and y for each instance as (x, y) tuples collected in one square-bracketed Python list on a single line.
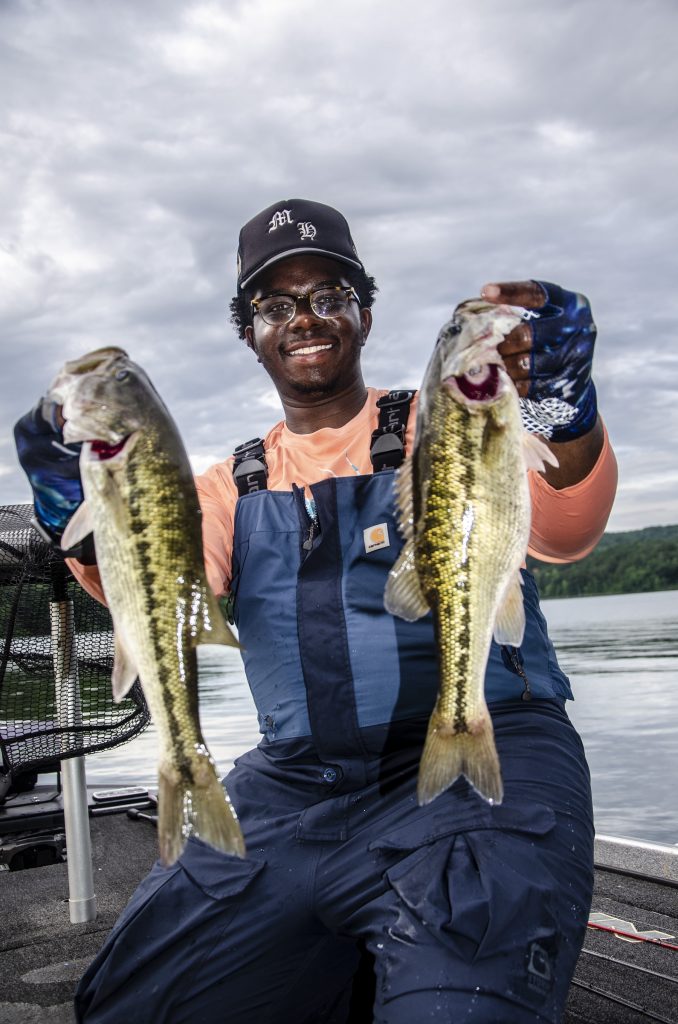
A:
[(566, 524)]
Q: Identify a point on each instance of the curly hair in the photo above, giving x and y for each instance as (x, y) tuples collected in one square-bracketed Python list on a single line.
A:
[(241, 304)]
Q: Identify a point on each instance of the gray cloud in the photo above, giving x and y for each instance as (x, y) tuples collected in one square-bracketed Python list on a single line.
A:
[(464, 145)]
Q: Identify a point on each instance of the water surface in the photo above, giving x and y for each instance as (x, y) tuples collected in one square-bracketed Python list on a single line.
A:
[(621, 654)]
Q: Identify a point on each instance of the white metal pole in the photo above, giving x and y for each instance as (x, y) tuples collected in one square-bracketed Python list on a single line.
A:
[(82, 901)]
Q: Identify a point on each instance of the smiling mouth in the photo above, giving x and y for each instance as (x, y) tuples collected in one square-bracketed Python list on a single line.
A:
[(310, 350)]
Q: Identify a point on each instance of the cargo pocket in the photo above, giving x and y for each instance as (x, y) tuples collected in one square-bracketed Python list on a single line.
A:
[(179, 894), (218, 875), (165, 935), (471, 882)]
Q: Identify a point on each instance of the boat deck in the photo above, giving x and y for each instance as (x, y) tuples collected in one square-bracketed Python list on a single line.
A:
[(620, 981), (43, 955)]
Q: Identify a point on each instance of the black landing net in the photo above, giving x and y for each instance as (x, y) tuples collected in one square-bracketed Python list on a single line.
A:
[(56, 657)]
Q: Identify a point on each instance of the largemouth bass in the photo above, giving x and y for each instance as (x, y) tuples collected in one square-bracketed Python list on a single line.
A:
[(464, 507), (141, 503)]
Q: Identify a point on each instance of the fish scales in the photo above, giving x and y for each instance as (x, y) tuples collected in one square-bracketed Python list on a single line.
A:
[(143, 506), (161, 541), (462, 568), (464, 503)]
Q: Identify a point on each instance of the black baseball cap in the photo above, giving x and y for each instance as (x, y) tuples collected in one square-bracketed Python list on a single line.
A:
[(289, 228)]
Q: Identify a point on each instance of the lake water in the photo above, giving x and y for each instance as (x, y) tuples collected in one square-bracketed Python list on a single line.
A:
[(621, 654)]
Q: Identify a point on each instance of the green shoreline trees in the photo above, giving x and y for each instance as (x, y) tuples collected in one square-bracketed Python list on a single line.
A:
[(632, 562)]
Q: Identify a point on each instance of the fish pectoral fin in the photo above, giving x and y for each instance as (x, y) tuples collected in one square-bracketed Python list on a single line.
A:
[(509, 626), (403, 595), (212, 627), (124, 670), (537, 453), (79, 526)]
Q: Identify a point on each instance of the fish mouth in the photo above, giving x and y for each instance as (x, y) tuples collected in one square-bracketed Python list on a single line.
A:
[(102, 451), (479, 384)]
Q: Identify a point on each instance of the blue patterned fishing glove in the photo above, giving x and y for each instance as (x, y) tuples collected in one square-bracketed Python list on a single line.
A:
[(561, 402), (52, 468)]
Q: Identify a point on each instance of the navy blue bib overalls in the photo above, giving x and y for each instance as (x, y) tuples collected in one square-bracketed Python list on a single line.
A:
[(470, 911)]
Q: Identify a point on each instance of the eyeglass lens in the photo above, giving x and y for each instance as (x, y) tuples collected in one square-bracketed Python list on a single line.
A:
[(325, 302)]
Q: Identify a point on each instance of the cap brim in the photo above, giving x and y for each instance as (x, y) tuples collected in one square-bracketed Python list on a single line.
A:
[(302, 250)]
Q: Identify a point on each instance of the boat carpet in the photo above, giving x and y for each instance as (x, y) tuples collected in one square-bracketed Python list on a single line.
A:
[(43, 955)]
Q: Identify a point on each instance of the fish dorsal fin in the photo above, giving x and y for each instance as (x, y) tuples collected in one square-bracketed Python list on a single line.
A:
[(509, 626), (403, 595), (124, 670), (79, 526), (537, 453), (211, 627)]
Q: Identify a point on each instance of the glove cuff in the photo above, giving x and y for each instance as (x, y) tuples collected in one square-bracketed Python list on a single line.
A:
[(559, 421), (583, 421)]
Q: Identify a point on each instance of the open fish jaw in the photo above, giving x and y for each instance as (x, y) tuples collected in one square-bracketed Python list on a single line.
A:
[(105, 397), (464, 354)]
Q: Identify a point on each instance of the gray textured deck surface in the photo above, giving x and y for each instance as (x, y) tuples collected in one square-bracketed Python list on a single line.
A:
[(43, 955), (638, 973)]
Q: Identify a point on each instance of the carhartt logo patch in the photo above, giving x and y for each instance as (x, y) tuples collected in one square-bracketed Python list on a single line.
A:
[(307, 230), (376, 537), (279, 219), (539, 968)]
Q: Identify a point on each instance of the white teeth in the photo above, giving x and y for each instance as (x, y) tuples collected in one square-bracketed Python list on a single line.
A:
[(310, 350)]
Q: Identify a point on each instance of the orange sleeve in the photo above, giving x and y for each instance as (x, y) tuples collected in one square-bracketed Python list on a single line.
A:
[(88, 578), (567, 524), (218, 495)]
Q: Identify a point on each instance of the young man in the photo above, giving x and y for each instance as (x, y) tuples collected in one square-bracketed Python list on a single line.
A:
[(467, 911)]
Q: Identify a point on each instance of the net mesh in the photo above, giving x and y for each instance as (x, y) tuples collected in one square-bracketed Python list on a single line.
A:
[(56, 657)]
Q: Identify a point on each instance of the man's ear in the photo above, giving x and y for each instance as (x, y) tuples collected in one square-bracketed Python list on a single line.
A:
[(249, 339), (365, 322)]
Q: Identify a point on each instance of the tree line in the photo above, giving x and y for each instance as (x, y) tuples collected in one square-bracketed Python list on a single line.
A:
[(628, 562)]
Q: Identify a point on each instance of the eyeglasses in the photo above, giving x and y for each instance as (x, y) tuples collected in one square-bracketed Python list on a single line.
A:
[(325, 303)]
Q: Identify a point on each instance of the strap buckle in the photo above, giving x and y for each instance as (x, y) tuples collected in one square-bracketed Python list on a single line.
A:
[(387, 446), (250, 471)]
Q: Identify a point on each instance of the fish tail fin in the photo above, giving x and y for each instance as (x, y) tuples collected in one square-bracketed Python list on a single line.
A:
[(447, 755), (199, 806)]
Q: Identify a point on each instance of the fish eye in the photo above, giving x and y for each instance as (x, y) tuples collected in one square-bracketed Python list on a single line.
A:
[(122, 375)]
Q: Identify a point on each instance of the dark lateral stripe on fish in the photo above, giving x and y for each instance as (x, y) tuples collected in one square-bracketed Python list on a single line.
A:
[(464, 636), (138, 525)]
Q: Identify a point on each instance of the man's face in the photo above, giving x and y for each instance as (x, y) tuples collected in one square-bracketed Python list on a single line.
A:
[(285, 350)]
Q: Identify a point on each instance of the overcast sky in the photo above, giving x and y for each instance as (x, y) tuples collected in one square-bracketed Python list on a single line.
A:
[(465, 142)]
